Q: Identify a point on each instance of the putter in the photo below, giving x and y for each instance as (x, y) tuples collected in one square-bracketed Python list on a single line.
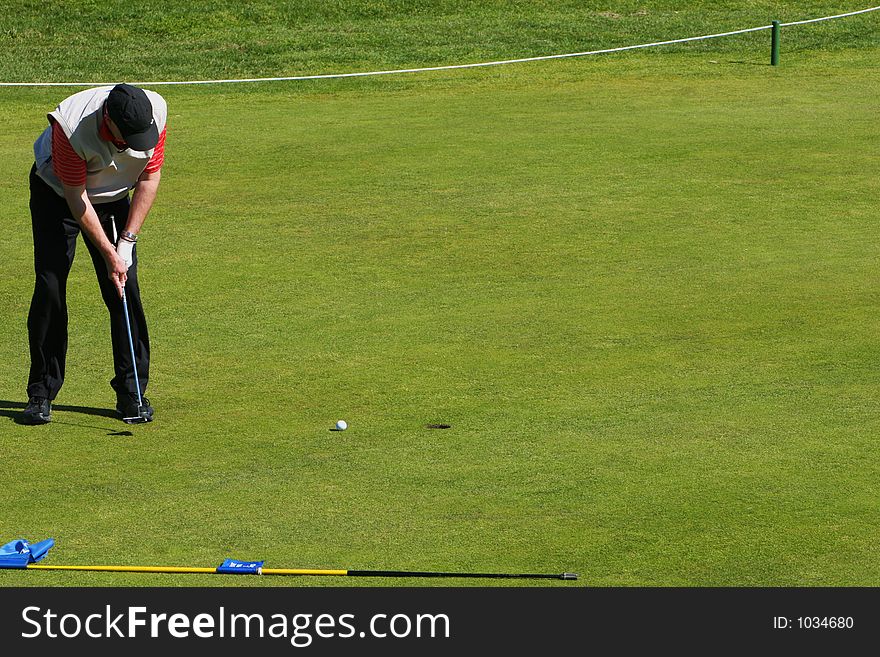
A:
[(139, 418)]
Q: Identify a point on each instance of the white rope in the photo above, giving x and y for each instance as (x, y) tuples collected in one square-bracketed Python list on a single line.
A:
[(426, 69), (828, 18), (399, 70)]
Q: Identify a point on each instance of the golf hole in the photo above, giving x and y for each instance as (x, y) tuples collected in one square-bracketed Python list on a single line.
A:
[(439, 426)]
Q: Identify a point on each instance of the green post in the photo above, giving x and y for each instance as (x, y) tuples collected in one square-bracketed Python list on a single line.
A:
[(774, 45)]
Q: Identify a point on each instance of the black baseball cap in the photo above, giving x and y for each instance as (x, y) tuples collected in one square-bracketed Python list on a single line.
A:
[(132, 112)]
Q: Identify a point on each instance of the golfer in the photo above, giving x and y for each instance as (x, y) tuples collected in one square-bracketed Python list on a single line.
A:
[(100, 145)]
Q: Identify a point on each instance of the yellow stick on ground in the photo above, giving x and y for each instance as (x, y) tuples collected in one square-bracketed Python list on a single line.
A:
[(126, 569), (296, 571)]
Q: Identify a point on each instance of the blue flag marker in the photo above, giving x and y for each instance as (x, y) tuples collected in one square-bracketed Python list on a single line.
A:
[(19, 553), (236, 567)]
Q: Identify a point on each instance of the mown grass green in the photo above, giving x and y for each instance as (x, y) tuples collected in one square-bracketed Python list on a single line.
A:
[(640, 288)]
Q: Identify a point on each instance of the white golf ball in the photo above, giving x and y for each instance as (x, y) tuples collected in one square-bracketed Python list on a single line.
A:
[(342, 425)]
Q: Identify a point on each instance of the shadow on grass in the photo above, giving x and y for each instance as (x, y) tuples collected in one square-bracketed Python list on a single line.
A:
[(13, 410)]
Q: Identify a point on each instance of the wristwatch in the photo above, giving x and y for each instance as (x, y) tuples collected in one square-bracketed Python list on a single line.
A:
[(129, 236)]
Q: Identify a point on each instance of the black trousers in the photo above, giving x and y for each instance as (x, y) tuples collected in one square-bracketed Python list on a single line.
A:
[(55, 236)]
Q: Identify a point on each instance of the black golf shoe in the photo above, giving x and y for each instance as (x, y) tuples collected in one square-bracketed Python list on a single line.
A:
[(37, 411), (130, 412)]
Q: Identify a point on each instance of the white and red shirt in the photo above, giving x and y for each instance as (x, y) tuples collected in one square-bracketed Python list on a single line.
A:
[(77, 148), (71, 168)]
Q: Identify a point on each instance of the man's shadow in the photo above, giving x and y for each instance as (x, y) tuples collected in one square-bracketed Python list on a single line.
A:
[(13, 411)]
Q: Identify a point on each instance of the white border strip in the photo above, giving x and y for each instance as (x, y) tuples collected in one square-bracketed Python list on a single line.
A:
[(436, 68)]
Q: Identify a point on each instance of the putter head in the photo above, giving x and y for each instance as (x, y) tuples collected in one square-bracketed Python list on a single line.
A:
[(140, 418)]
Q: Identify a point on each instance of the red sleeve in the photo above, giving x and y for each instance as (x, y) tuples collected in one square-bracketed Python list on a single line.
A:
[(158, 158), (69, 167)]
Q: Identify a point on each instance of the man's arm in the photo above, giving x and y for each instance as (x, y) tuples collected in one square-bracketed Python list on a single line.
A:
[(71, 170), (146, 187), (142, 198), (87, 218)]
